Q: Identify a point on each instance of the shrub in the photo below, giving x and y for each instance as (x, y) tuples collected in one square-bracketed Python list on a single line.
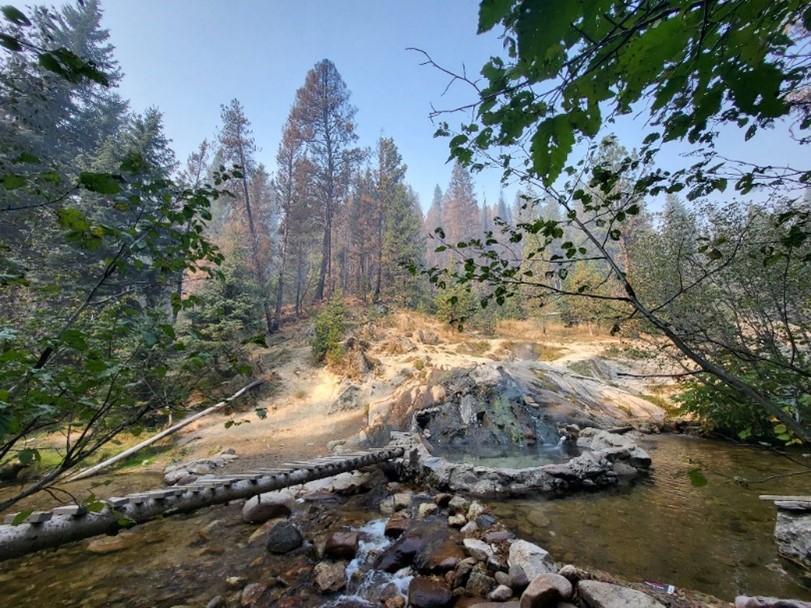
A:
[(328, 332)]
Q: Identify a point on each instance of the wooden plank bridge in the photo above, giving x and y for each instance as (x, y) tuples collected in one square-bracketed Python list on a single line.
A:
[(45, 529)]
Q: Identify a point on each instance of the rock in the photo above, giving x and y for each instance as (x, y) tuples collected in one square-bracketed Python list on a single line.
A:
[(426, 509), (251, 594), (424, 592), (402, 500), (263, 507), (398, 601), (457, 521), (494, 605), (439, 555), (330, 576), (188, 472), (341, 545), (573, 573), (518, 578), (351, 483), (479, 584), (545, 591), (743, 601), (283, 537), (792, 532), (477, 549), (387, 505), (605, 595), (235, 581), (470, 528), (438, 393), (531, 558), (111, 544), (476, 508), (442, 499), (397, 524), (500, 594), (498, 536), (349, 399), (502, 578), (458, 504), (426, 336), (486, 521), (217, 601), (399, 554)]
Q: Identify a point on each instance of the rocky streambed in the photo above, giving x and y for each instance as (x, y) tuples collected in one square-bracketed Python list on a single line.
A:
[(356, 540)]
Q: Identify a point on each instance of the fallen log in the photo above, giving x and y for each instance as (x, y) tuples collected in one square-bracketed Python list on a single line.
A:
[(43, 530), (165, 433)]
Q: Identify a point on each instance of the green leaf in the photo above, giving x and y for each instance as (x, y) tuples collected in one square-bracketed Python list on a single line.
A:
[(551, 145), (29, 456), (10, 42), (491, 12), (12, 181), (697, 478), (103, 183), (15, 15), (72, 219), (21, 517)]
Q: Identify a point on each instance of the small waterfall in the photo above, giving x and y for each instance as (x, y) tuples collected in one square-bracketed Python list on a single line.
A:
[(364, 585)]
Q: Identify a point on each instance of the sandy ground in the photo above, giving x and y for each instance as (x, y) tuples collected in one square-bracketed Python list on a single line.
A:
[(299, 423)]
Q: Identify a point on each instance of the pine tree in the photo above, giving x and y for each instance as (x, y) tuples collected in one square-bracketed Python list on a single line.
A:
[(404, 247), (433, 220), (388, 186), (461, 219), (326, 121), (237, 144), (45, 114)]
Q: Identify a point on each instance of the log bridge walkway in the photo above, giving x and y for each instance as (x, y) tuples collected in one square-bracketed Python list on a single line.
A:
[(46, 529)]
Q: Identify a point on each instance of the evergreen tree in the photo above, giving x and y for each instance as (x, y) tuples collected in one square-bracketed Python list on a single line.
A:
[(461, 219), (325, 119), (237, 146)]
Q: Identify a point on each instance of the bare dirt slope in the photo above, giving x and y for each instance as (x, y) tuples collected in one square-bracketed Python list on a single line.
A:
[(306, 409)]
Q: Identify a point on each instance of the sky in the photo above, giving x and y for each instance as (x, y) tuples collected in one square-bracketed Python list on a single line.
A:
[(188, 57)]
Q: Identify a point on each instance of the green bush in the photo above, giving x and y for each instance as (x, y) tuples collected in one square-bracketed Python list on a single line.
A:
[(328, 331), (721, 409)]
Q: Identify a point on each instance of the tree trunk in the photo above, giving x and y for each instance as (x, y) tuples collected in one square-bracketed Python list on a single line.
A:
[(259, 270)]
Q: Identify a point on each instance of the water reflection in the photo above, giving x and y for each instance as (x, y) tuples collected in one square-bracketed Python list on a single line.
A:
[(715, 538)]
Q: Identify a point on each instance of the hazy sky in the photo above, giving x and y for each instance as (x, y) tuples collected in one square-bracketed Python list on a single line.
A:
[(188, 57)]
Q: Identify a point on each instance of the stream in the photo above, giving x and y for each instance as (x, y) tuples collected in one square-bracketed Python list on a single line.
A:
[(715, 538)]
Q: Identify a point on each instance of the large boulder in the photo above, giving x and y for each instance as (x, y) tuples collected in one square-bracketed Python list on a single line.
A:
[(545, 591), (283, 537), (263, 507), (793, 532), (597, 594), (531, 558), (424, 592)]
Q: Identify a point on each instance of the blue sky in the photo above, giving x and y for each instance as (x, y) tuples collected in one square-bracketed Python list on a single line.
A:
[(188, 57)]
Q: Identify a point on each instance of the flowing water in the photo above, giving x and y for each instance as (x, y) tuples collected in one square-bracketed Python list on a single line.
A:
[(716, 538)]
